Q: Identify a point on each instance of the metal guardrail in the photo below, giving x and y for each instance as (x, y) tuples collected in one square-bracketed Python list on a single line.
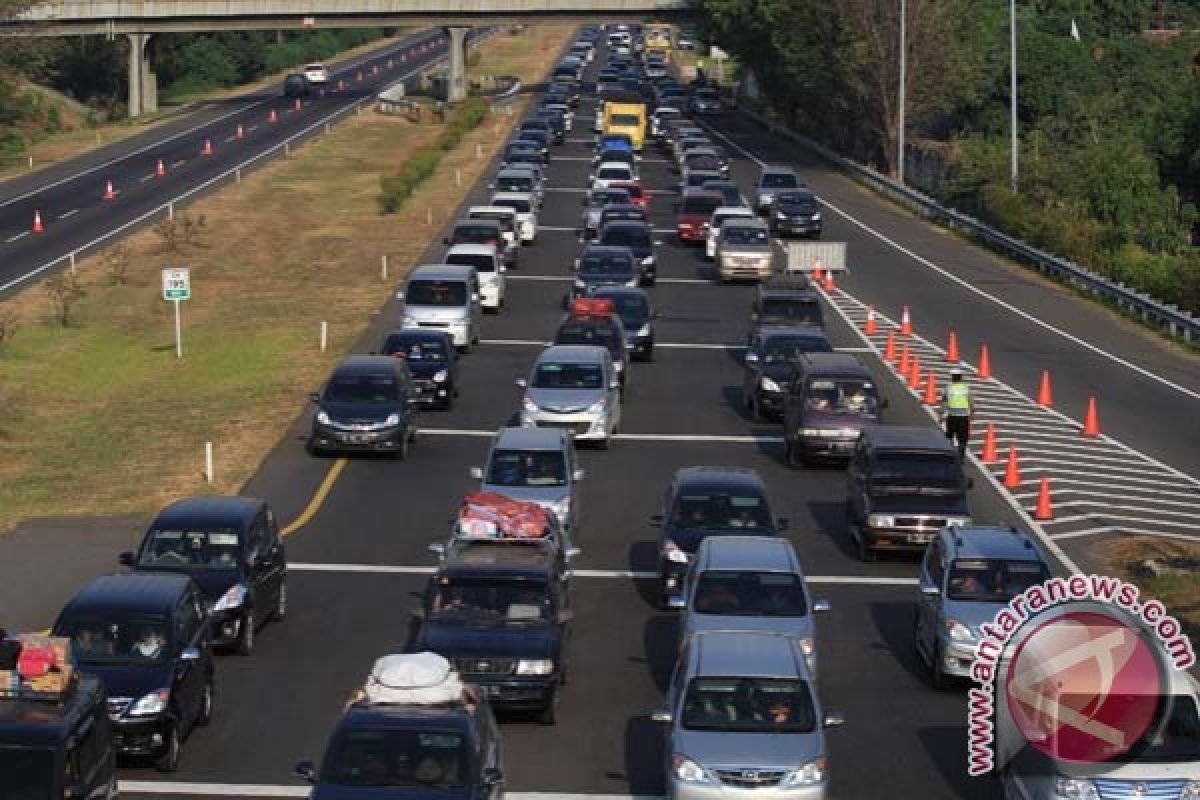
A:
[(1151, 311)]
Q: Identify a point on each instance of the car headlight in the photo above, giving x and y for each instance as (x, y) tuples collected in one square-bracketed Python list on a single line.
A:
[(674, 553), (150, 704), (535, 666), (880, 520), (1075, 789), (233, 598), (959, 522), (808, 646), (598, 407), (440, 376), (816, 217), (779, 215), (768, 385), (810, 774), (648, 261), (958, 631), (644, 330), (323, 418), (391, 421), (632, 282), (689, 771), (531, 406)]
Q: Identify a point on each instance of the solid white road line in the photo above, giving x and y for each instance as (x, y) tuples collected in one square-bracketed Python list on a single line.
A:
[(20, 235), (145, 178), (981, 293), (1105, 517)]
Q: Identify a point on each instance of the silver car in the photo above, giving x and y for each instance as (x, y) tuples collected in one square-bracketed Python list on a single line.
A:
[(743, 250), (968, 575), (537, 465), (744, 721), (750, 583), (575, 387), (773, 181)]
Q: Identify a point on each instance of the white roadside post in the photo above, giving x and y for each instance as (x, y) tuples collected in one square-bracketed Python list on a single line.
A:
[(177, 286)]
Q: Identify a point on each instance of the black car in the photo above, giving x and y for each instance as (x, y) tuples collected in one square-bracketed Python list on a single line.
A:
[(449, 751), (231, 548), (623, 211), (639, 238), (368, 405), (637, 315), (58, 744), (521, 146), (600, 267), (147, 638), (786, 300), (537, 159), (830, 400), (904, 484), (538, 131), (296, 85), (796, 213), (558, 124), (598, 331), (769, 362), (703, 502), (432, 363), (499, 612)]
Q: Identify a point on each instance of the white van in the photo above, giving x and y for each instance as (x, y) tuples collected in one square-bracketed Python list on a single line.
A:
[(525, 204), (444, 297), (488, 266)]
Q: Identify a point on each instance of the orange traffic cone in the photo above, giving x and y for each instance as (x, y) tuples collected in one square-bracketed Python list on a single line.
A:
[(38, 227), (1091, 420), (240, 134), (889, 349), (828, 285), (1043, 511), (109, 193), (905, 360), (870, 327), (931, 392), (906, 323), (985, 363), (1012, 472), (952, 349), (1045, 396), (818, 274), (273, 117), (207, 150), (160, 169), (914, 373), (989, 455)]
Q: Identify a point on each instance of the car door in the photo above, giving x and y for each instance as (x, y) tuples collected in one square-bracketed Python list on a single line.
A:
[(189, 674), (856, 485), (274, 562), (932, 575)]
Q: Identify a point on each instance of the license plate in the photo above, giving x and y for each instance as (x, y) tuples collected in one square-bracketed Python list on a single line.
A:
[(920, 538)]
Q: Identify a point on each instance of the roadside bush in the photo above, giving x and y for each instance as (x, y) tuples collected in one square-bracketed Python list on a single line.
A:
[(396, 188)]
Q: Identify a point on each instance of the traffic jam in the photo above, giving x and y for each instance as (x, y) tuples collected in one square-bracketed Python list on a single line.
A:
[(493, 646)]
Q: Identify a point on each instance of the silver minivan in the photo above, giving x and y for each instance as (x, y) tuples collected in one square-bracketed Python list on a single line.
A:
[(444, 297), (489, 266), (750, 583), (538, 465), (744, 721)]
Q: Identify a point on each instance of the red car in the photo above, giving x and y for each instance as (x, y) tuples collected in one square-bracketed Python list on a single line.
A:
[(637, 195), (695, 212)]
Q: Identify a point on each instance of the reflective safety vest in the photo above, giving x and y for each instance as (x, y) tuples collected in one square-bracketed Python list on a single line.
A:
[(958, 401)]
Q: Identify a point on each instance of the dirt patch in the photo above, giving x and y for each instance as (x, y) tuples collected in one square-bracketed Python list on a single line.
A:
[(1165, 569)]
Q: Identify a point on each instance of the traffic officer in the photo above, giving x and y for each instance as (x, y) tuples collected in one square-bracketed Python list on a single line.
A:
[(957, 408)]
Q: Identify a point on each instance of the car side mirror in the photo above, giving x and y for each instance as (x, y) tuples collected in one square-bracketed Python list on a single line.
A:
[(572, 552), (438, 549), (834, 719), (524, 384), (492, 777), (821, 606), (662, 715), (190, 654), (565, 616), (782, 523), (501, 268), (314, 397), (125, 559), (930, 590), (656, 520), (306, 770), (579, 474), (477, 473)]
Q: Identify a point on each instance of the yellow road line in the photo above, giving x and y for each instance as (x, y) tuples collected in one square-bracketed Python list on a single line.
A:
[(314, 505)]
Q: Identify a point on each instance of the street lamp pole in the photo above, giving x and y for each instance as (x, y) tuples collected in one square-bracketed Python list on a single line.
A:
[(900, 123), (1012, 89)]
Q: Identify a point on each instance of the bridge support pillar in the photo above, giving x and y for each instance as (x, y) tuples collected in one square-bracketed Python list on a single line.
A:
[(143, 83), (456, 86)]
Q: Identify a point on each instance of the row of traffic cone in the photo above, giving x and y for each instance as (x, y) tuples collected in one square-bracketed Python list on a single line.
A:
[(1043, 509)]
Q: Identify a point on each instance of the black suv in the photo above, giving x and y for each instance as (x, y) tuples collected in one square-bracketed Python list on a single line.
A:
[(57, 745), (450, 751), (432, 363), (499, 611), (230, 546), (296, 85), (146, 637), (796, 213), (904, 485), (769, 361), (369, 404), (786, 300), (637, 315), (639, 238), (703, 502), (599, 267)]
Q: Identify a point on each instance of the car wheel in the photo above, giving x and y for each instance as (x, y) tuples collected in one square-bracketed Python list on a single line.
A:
[(281, 605), (206, 704), (245, 642), (168, 760)]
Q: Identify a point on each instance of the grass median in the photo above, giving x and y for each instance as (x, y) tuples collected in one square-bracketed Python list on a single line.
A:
[(101, 418)]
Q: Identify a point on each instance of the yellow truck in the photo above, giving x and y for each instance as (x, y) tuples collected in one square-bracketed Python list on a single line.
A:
[(625, 116), (658, 40)]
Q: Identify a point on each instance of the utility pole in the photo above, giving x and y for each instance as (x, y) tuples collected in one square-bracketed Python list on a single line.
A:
[(1012, 89), (900, 122)]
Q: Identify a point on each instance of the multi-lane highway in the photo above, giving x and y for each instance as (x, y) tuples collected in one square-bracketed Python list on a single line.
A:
[(70, 197), (357, 545)]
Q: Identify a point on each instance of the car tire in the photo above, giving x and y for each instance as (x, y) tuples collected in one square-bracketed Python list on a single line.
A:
[(168, 760), (245, 641), (281, 604), (204, 717)]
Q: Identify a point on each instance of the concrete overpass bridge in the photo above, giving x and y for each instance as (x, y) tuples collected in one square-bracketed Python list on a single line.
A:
[(139, 20)]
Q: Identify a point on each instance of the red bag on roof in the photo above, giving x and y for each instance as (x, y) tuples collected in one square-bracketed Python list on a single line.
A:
[(493, 515), (592, 307), (36, 661)]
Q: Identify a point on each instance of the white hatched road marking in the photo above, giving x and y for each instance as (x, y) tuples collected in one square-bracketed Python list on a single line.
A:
[(1123, 531)]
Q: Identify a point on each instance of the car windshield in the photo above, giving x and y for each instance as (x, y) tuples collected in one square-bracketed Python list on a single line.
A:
[(613, 173), (415, 348), (392, 757), (588, 333), (117, 638), (504, 219), (705, 161), (917, 469), (520, 206), (783, 349), (29, 772), (625, 119), (745, 236), (492, 601), (568, 376), (482, 262), (527, 468), (722, 510), (700, 205), (841, 396), (634, 236), (190, 549), (802, 310), (707, 94), (450, 294), (803, 199), (749, 705), (623, 155), (779, 180), (608, 264), (991, 580), (514, 184), (750, 594), (370, 389)]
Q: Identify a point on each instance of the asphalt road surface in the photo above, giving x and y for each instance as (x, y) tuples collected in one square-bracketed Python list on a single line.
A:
[(361, 555)]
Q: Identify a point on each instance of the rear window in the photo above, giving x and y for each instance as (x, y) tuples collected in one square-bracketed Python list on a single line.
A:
[(750, 594), (505, 221), (514, 184), (613, 173), (625, 119), (480, 261), (476, 234), (780, 180), (700, 205), (449, 294), (626, 236)]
